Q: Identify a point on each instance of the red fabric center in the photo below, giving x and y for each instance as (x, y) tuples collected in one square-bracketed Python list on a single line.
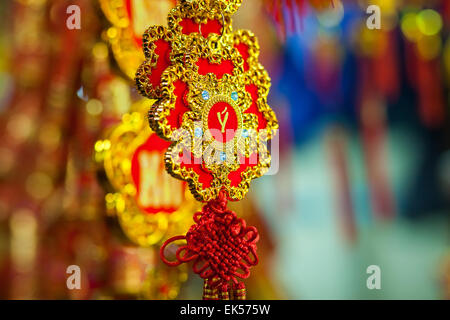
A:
[(212, 26), (153, 143), (222, 122), (205, 67)]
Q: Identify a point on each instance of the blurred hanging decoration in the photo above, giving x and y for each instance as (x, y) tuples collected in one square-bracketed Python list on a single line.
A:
[(149, 204), (287, 14), (136, 272), (378, 84), (211, 97), (444, 276), (379, 63), (337, 145), (422, 30), (129, 19)]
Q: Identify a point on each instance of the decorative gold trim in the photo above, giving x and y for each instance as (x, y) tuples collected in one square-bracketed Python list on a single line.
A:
[(186, 51)]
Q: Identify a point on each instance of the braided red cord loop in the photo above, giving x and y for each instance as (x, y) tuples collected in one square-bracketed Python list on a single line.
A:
[(221, 245)]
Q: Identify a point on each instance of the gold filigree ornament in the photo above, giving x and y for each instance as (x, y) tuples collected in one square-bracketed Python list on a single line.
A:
[(129, 19), (148, 203), (211, 94)]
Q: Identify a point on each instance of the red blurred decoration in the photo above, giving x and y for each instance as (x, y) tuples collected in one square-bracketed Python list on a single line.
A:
[(288, 13), (340, 165), (426, 78)]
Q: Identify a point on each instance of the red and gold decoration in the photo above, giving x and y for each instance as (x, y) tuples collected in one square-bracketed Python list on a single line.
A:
[(147, 202), (211, 104)]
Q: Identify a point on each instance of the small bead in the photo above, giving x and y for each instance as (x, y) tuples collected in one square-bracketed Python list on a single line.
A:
[(223, 156), (205, 95), (198, 132), (234, 96), (245, 133)]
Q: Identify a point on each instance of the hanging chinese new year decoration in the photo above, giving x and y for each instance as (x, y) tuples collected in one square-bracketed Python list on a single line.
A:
[(148, 203), (211, 104)]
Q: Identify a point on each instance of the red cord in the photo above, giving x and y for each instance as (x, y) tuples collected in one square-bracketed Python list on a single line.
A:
[(222, 247)]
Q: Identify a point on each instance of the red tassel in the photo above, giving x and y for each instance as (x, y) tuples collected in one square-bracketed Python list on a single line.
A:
[(209, 293), (220, 245), (239, 291), (224, 294)]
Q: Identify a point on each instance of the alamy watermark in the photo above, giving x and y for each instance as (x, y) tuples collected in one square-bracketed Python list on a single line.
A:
[(374, 280), (74, 280), (374, 20), (73, 22)]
